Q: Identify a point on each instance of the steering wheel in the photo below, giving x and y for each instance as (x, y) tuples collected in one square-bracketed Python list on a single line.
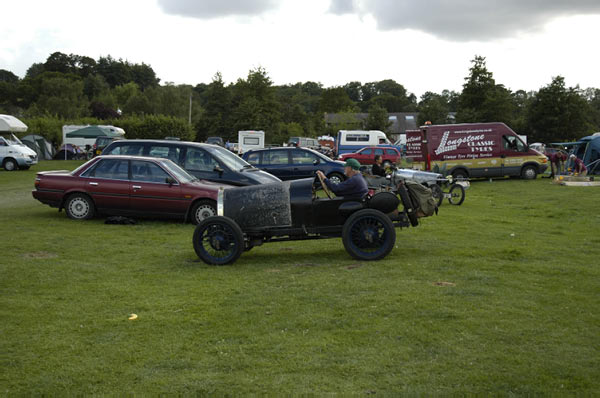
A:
[(324, 186)]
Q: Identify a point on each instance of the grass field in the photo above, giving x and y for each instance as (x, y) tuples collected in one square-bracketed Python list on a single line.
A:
[(500, 295)]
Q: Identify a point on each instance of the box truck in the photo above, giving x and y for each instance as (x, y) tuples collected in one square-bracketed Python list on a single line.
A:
[(473, 150)]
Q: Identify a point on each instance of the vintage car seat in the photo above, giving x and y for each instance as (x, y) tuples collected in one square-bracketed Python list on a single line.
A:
[(385, 202)]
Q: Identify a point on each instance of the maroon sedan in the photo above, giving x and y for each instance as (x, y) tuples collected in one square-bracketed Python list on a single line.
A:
[(367, 154), (128, 185)]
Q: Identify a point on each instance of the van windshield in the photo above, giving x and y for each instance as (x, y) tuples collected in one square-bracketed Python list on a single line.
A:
[(12, 140), (230, 159)]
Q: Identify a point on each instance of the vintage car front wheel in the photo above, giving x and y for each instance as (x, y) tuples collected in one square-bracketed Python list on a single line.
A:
[(218, 240), (368, 235)]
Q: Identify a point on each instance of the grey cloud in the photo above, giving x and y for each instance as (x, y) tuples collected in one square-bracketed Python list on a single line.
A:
[(207, 9), (341, 7), (466, 20)]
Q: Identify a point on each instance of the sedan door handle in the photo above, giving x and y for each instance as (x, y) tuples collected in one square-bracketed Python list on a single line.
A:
[(137, 187), (93, 183)]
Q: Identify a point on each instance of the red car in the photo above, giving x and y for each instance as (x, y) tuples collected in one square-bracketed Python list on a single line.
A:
[(128, 185), (367, 154)]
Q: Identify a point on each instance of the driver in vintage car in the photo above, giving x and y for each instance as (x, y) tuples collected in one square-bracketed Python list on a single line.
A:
[(354, 187)]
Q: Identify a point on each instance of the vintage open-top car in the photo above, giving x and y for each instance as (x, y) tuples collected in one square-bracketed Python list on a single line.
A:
[(291, 210)]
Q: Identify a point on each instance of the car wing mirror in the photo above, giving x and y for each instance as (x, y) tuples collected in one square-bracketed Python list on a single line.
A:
[(316, 162), (218, 169), (170, 180)]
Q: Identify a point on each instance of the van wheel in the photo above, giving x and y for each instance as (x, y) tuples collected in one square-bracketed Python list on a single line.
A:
[(10, 164), (529, 173), (459, 175)]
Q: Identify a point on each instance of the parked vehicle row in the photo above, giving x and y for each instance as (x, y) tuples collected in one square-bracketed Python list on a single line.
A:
[(204, 161)]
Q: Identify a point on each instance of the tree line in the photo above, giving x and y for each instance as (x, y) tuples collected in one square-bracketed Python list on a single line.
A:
[(74, 89)]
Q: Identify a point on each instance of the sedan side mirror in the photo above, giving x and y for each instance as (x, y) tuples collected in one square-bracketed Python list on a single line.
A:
[(219, 170), (316, 162), (170, 180)]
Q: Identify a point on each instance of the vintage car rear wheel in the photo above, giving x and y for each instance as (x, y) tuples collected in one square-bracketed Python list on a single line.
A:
[(368, 235), (79, 206), (437, 194), (457, 194), (218, 240)]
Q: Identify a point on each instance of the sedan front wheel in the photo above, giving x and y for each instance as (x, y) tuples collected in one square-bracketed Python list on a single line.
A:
[(202, 210)]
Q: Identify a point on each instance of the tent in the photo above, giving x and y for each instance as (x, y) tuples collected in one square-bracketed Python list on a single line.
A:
[(93, 132), (588, 150), (12, 124), (69, 152), (43, 148)]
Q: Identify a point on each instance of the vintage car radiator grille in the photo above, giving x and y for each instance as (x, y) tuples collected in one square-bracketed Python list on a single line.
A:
[(256, 206)]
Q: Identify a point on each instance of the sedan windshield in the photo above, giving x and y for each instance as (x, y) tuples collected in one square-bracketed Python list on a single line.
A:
[(230, 159), (178, 172)]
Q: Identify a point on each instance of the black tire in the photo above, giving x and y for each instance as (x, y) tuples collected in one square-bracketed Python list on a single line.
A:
[(201, 210), (79, 206), (335, 178), (218, 240), (10, 164), (529, 173), (460, 175), (368, 235), (409, 207), (457, 194), (437, 193)]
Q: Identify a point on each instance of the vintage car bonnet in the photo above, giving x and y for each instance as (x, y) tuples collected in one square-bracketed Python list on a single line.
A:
[(264, 205)]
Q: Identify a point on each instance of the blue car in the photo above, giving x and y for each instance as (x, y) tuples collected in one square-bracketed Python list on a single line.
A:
[(290, 163)]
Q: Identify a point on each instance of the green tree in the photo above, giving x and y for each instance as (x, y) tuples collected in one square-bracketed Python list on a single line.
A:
[(433, 108), (61, 95), (378, 119), (216, 119), (336, 100), (254, 104), (482, 100), (559, 113)]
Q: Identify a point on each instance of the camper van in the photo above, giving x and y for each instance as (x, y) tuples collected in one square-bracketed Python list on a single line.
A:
[(14, 154), (352, 140), (473, 150), (250, 139)]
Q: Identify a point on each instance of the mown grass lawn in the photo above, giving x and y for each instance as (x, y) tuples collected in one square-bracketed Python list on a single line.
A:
[(500, 295)]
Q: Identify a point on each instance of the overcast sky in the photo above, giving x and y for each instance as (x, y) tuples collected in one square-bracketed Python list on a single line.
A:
[(425, 45)]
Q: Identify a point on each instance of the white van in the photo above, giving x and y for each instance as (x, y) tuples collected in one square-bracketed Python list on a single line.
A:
[(250, 139), (352, 140), (14, 154)]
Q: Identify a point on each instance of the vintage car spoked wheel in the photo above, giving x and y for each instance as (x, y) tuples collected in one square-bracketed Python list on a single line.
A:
[(79, 207), (456, 195), (368, 235), (325, 189), (218, 240), (437, 194)]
